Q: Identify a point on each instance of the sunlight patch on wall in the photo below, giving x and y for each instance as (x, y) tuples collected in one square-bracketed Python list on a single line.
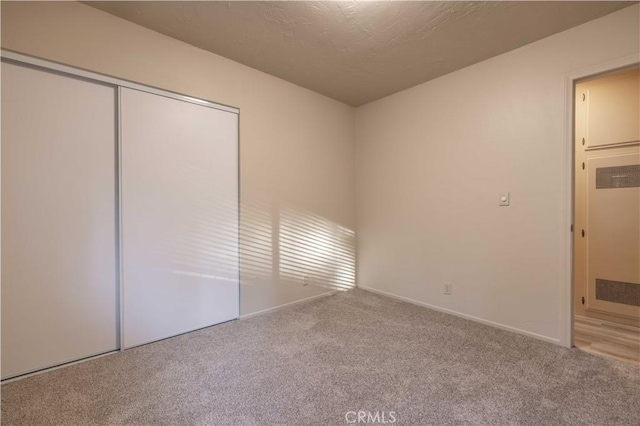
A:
[(316, 249), (256, 241)]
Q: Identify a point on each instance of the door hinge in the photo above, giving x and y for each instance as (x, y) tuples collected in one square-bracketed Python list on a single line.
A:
[(583, 165), (584, 97), (571, 227), (583, 300), (583, 233), (582, 141)]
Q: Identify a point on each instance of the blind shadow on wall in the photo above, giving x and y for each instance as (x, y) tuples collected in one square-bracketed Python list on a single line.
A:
[(285, 245)]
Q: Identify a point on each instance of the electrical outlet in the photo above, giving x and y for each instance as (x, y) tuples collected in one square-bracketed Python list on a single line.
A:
[(305, 280), (447, 288)]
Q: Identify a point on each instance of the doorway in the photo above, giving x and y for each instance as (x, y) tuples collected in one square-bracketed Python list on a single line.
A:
[(607, 215)]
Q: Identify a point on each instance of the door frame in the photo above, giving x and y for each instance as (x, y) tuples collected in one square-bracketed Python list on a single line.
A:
[(568, 196)]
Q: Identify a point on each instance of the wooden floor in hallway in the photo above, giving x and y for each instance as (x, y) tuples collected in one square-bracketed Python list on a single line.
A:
[(608, 339)]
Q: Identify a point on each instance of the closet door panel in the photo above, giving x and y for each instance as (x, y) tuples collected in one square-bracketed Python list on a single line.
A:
[(612, 109), (59, 288), (179, 213)]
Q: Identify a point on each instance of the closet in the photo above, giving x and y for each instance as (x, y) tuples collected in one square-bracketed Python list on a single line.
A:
[(607, 198), (119, 214)]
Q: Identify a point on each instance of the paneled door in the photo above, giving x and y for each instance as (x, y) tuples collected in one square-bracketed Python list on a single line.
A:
[(59, 287), (613, 238), (179, 216)]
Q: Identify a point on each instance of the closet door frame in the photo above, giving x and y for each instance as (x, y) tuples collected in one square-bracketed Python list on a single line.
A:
[(90, 75), (20, 59)]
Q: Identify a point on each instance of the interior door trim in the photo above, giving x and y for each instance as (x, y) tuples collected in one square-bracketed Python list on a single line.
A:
[(568, 174)]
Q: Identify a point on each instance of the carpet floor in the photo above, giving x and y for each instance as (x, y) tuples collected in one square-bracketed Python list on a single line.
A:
[(314, 363)]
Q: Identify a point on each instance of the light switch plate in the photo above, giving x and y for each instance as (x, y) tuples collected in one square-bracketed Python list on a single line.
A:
[(503, 199)]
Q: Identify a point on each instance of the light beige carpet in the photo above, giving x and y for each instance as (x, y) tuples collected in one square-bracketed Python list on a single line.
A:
[(314, 363)]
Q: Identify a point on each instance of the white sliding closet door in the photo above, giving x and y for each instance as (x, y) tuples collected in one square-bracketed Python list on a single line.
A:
[(179, 216), (59, 288)]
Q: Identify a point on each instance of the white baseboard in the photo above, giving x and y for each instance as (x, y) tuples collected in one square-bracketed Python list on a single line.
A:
[(461, 315), (287, 305)]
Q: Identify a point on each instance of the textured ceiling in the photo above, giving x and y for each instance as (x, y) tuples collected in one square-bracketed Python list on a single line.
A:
[(357, 52)]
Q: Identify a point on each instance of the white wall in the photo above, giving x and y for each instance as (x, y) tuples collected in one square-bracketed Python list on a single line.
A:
[(296, 146), (432, 159)]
